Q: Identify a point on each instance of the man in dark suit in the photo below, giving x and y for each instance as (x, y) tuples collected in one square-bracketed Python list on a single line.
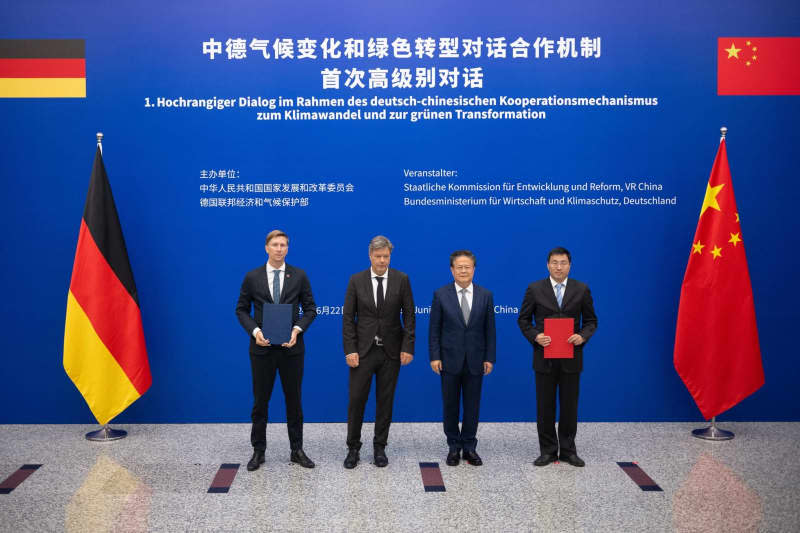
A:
[(462, 349), (272, 283), (377, 340), (557, 297)]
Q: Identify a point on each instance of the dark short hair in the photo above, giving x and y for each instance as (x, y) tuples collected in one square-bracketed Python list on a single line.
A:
[(276, 233), (559, 250), (461, 253)]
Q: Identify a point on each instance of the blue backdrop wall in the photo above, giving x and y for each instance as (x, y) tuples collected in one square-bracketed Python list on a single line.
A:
[(189, 253)]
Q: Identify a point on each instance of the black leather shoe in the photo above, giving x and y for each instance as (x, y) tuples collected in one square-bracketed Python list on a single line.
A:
[(300, 457), (544, 459), (380, 457), (472, 457), (255, 461), (573, 459), (453, 458), (352, 458)]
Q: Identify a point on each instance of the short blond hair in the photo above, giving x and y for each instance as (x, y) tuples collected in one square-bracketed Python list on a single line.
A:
[(276, 233)]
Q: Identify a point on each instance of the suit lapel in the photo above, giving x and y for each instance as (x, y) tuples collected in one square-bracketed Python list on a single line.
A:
[(569, 293), (366, 286), (265, 286), (456, 303), (477, 302), (549, 293), (288, 277)]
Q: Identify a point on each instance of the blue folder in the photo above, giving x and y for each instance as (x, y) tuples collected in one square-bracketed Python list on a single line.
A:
[(276, 323)]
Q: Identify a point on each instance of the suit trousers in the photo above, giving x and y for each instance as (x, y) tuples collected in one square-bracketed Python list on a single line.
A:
[(264, 368), (454, 388), (386, 370), (566, 384)]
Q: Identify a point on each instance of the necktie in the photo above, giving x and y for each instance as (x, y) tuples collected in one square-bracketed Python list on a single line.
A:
[(464, 305), (559, 295), (379, 296), (276, 287)]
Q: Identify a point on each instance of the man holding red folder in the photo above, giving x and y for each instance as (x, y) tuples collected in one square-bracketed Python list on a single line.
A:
[(557, 353)]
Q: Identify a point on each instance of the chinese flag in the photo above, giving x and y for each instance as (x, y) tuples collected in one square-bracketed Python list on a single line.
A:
[(716, 340), (104, 348), (758, 65)]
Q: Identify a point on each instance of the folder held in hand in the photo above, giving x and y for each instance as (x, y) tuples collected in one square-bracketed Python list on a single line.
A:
[(559, 330), (276, 323)]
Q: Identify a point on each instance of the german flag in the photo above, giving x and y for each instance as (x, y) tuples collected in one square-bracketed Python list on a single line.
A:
[(104, 348), (42, 68)]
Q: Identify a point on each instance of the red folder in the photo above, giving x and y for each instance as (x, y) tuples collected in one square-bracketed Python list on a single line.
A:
[(559, 330)]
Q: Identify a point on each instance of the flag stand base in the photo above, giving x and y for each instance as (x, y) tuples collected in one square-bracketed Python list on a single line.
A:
[(712, 432), (105, 434)]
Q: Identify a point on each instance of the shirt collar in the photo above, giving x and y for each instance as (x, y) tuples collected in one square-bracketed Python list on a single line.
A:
[(459, 287), (374, 275), (270, 268), (554, 282)]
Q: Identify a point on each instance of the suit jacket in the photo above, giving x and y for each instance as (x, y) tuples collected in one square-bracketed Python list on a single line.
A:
[(540, 303), (360, 318), (296, 290), (456, 343)]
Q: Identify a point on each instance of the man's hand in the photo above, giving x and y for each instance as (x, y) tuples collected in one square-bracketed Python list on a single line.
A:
[(575, 339), (543, 339), (487, 368), (293, 340), (436, 366), (351, 359), (405, 358), (260, 340)]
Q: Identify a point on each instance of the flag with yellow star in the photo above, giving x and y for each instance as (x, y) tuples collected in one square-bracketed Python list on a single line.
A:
[(717, 354), (758, 65)]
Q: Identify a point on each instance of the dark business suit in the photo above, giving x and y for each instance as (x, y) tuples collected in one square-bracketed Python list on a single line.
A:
[(552, 374), (361, 324), (265, 361), (462, 347)]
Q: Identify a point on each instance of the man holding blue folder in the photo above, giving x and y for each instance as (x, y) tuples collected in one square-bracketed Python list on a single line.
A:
[(275, 292)]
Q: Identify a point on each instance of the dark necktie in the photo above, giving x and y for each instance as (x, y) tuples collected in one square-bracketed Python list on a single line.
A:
[(379, 298)]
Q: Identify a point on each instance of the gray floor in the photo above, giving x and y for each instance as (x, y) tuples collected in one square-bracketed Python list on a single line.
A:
[(157, 480)]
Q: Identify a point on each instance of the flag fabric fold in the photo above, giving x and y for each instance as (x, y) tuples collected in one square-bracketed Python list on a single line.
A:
[(717, 353), (104, 348)]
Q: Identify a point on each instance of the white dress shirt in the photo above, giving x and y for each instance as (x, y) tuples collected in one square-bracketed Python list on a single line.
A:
[(271, 276), (468, 294), (563, 288)]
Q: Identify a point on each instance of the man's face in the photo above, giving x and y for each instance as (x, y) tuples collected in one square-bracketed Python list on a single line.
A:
[(463, 270), (277, 248), (558, 265), (380, 260)]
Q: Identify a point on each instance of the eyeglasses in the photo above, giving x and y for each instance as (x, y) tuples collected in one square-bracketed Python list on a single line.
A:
[(559, 263)]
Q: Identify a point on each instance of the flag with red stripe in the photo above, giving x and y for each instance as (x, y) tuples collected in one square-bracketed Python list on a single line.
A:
[(104, 347), (42, 68)]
